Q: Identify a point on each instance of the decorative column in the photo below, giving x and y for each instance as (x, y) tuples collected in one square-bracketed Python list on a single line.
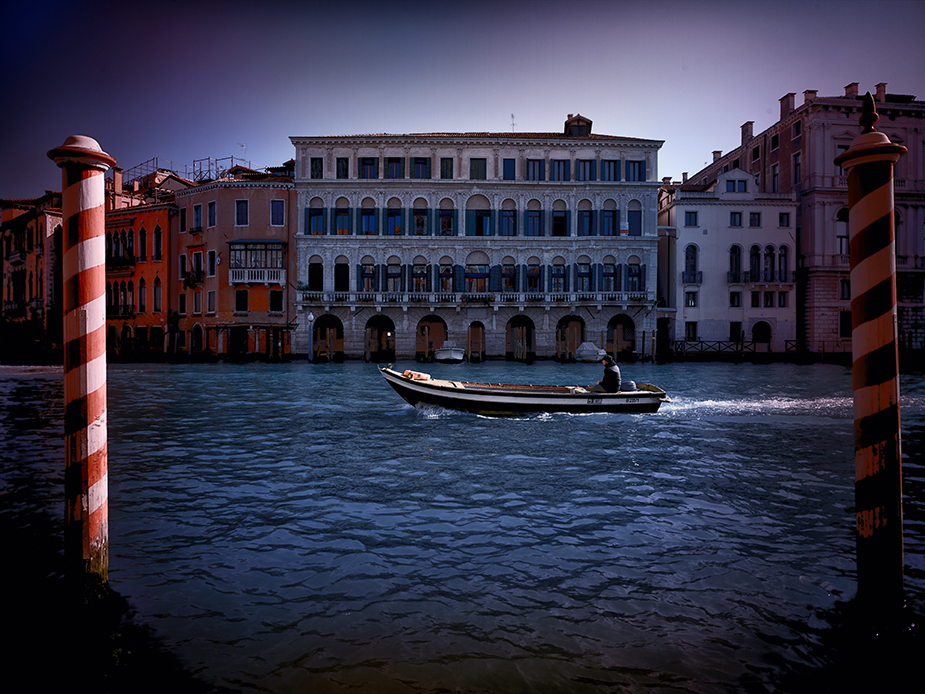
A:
[(878, 467), (86, 488)]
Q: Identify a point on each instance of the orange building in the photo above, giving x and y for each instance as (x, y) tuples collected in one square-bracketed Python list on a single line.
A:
[(231, 266), (30, 238)]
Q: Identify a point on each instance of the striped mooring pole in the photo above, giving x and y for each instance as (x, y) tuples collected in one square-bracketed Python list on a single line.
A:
[(86, 487), (874, 346)]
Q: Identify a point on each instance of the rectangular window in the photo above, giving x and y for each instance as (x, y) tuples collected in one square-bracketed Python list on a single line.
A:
[(557, 278), (559, 170), (782, 299), (446, 168), (420, 167), (783, 220), (211, 214), (369, 167), (585, 222), (446, 278), (735, 219), (394, 167), (343, 167), (419, 278), (240, 300), (277, 213), (341, 277), (197, 303), (608, 277), (559, 223), (419, 223), (610, 170), (182, 267), (197, 218), (690, 299), (509, 169), (508, 223), (508, 278), (536, 170), (585, 170), (844, 290), (316, 221), (797, 129), (533, 278), (240, 213), (756, 153), (534, 223), (769, 299), (736, 186), (609, 223), (797, 168), (756, 299), (775, 142), (181, 303), (212, 263), (735, 299), (841, 149), (690, 330), (754, 219), (478, 169), (341, 222), (368, 222), (368, 278), (276, 300), (775, 178), (635, 171), (393, 223), (690, 218), (583, 277), (182, 220), (446, 223), (210, 301), (317, 167)]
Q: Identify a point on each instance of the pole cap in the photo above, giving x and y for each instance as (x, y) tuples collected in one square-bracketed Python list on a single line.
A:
[(82, 150)]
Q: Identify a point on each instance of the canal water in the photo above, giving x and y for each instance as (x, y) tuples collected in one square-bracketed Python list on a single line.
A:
[(299, 528)]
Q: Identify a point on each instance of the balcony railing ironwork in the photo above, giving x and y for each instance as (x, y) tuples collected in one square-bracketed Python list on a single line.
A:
[(471, 298), (257, 276)]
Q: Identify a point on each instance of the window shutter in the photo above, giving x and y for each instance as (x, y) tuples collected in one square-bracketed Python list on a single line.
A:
[(404, 275), (359, 278), (642, 170), (307, 221), (470, 222), (593, 169), (427, 274), (642, 278), (459, 278), (494, 278), (616, 176), (618, 277)]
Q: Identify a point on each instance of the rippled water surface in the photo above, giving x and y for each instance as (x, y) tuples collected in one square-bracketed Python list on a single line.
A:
[(300, 528)]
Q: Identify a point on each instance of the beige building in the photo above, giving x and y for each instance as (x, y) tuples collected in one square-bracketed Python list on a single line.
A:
[(515, 245)]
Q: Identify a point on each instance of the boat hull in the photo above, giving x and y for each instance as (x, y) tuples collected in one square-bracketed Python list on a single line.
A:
[(500, 400), (449, 355)]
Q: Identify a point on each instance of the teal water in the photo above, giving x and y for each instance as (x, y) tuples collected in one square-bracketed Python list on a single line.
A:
[(299, 527)]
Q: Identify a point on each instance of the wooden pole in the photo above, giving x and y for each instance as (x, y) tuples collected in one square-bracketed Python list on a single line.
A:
[(86, 482), (878, 458)]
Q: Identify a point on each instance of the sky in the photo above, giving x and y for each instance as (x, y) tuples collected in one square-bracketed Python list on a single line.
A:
[(185, 80)]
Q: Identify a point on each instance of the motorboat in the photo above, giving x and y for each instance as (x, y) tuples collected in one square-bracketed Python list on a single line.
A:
[(506, 399), (449, 353), (589, 352)]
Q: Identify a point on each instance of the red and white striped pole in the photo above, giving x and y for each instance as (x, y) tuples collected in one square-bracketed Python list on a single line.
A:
[(877, 443), (86, 487)]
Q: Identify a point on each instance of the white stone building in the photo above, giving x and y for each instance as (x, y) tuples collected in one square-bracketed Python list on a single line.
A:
[(727, 254), (516, 245)]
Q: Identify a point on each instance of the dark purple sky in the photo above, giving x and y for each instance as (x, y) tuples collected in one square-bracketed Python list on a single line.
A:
[(187, 80)]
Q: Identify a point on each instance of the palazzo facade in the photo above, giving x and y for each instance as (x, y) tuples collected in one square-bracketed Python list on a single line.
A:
[(511, 245)]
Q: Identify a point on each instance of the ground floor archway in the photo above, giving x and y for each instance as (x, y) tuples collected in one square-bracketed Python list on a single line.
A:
[(761, 336), (431, 333), (475, 342), (327, 339), (570, 333), (520, 340), (379, 341), (621, 337)]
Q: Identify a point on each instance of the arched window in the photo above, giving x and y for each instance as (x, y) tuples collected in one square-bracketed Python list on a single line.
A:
[(142, 244), (769, 263), (142, 304), (754, 264), (690, 265), (735, 264), (156, 300), (156, 251), (783, 265)]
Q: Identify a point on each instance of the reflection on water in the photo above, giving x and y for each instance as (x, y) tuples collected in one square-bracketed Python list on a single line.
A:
[(300, 528)]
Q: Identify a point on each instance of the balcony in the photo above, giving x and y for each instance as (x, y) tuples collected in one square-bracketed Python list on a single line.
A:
[(472, 299), (266, 276), (692, 277)]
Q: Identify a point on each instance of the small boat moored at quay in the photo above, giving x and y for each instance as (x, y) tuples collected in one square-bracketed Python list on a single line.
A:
[(507, 399), (449, 354)]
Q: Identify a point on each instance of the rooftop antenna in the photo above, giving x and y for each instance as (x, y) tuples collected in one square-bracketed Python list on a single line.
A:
[(512, 122)]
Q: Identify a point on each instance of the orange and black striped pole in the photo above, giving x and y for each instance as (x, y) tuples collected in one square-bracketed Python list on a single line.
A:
[(86, 486), (877, 443)]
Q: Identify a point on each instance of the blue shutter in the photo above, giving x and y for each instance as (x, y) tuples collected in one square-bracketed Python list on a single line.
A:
[(642, 278), (427, 277), (642, 170), (593, 169), (359, 278), (459, 278), (617, 172), (470, 222), (494, 278), (307, 221), (618, 277), (404, 275)]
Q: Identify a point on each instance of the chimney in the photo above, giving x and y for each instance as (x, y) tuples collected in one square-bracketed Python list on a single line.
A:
[(666, 180), (684, 177), (809, 96), (881, 92), (786, 105), (717, 154), (747, 132), (117, 180), (851, 90)]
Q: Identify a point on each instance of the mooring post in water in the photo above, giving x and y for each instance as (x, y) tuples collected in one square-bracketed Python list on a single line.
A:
[(86, 488), (874, 346)]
